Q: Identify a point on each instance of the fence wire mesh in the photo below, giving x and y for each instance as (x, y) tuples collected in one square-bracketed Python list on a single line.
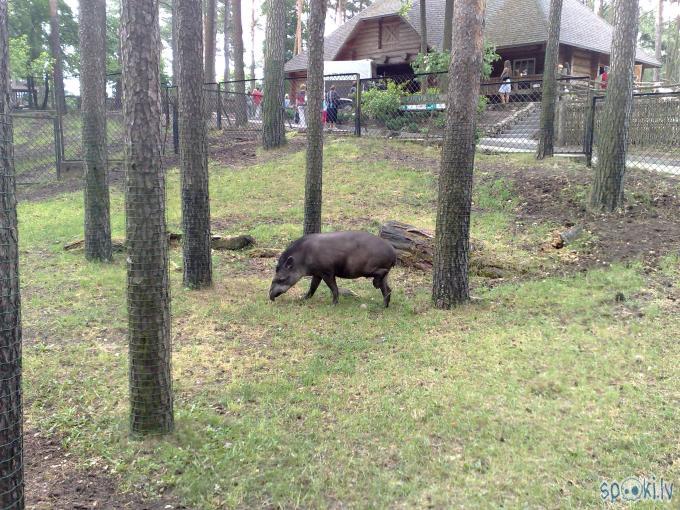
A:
[(11, 428)]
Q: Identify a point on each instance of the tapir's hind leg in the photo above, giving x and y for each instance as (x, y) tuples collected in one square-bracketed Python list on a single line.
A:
[(386, 291), (330, 281)]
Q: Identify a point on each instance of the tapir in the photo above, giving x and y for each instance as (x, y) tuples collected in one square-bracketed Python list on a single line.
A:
[(332, 255)]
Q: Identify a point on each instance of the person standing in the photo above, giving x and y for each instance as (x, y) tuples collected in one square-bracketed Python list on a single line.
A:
[(332, 101), (257, 101), (301, 103), (506, 78)]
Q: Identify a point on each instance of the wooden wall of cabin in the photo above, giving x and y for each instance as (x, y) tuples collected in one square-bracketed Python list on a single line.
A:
[(388, 40)]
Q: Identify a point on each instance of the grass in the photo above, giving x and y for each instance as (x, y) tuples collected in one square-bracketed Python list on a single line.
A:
[(527, 397)]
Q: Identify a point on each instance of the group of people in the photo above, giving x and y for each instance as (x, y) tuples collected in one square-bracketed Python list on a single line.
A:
[(329, 115), (254, 101), (507, 75)]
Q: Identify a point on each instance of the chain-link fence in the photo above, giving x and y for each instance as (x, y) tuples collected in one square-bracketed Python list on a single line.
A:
[(11, 428), (653, 133)]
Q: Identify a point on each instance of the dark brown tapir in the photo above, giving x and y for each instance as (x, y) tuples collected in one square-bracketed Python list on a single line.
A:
[(335, 254)]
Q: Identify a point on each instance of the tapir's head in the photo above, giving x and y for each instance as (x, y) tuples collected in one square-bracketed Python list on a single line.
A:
[(288, 273)]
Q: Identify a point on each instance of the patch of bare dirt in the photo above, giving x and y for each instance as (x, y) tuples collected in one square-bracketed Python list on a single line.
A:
[(57, 481)]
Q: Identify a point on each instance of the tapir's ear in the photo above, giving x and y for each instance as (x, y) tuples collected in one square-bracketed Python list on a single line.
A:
[(289, 263)]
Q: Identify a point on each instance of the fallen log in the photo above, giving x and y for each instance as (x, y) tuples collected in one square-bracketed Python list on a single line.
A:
[(561, 239), (414, 246), (174, 239)]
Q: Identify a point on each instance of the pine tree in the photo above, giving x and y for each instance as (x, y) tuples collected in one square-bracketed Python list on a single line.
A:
[(274, 134)]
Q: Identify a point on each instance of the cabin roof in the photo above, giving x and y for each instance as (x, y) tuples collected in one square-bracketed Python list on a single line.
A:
[(509, 23)]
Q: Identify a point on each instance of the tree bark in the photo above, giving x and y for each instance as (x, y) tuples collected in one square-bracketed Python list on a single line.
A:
[(227, 40), (448, 25), (298, 27), (253, 24), (313, 179), (607, 190), (11, 417), (55, 44), (210, 37), (546, 142), (423, 26), (193, 151), (452, 236), (273, 134), (658, 38), (148, 297), (92, 29), (240, 106), (175, 57)]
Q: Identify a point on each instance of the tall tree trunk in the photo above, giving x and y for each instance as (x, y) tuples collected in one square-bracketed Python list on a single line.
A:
[(658, 38), (11, 417), (597, 7), (274, 134), (313, 179), (298, 27), (423, 26), (452, 236), (227, 39), (46, 96), (448, 25), (253, 24), (148, 297), (607, 190), (193, 151), (546, 141), (55, 44), (210, 36), (92, 29), (240, 105), (175, 36)]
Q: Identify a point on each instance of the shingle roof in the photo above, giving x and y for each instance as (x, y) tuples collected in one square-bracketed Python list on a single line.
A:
[(508, 23)]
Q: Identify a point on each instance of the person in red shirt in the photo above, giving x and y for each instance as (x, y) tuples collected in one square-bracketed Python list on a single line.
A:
[(604, 77), (257, 101)]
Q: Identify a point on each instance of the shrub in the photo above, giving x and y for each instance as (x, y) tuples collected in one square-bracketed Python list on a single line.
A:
[(382, 104)]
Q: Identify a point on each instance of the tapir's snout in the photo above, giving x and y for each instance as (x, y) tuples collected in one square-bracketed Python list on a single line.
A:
[(276, 290)]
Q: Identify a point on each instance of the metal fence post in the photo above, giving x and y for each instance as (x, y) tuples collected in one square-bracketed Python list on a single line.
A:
[(166, 109), (590, 132), (219, 106), (357, 107), (58, 144), (175, 128)]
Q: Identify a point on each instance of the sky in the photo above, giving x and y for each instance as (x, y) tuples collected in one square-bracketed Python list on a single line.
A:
[(72, 85)]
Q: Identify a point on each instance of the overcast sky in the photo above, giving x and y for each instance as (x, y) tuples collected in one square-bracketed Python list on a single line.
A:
[(72, 85)]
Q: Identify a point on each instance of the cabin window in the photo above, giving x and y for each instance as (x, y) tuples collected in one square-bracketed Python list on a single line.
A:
[(388, 34), (528, 64)]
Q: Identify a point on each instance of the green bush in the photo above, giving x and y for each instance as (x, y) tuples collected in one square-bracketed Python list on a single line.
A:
[(395, 123), (412, 127), (384, 104)]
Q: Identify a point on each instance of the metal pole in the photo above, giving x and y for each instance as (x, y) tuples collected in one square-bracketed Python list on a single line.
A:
[(357, 107), (590, 132), (175, 128), (219, 106), (58, 144)]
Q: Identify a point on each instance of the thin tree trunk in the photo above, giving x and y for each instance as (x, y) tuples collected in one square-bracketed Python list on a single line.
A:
[(193, 151), (274, 134), (423, 26), (658, 38), (448, 25), (253, 24), (92, 28), (452, 237), (46, 96), (148, 298), (607, 190), (240, 106), (298, 28), (227, 39), (55, 44), (210, 36), (313, 179), (175, 36), (11, 417), (546, 142)]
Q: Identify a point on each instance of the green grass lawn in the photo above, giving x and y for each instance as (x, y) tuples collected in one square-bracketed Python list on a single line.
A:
[(528, 397)]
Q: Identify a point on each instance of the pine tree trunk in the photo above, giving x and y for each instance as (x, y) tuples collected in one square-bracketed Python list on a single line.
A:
[(452, 236), (148, 296), (298, 27), (175, 57), (193, 151), (274, 134), (313, 179), (240, 105), (658, 38), (55, 45), (253, 24), (546, 142), (210, 37), (423, 26), (448, 25), (227, 39), (92, 29), (11, 416), (607, 190)]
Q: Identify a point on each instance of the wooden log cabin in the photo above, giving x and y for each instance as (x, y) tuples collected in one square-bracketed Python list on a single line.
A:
[(517, 28)]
